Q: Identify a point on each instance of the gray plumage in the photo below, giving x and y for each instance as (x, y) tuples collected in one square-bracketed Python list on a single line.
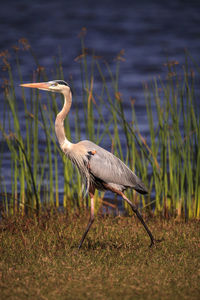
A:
[(104, 167)]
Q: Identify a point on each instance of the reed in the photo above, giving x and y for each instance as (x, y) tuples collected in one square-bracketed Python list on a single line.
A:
[(168, 160)]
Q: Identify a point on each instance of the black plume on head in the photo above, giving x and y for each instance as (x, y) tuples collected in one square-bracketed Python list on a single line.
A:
[(62, 82)]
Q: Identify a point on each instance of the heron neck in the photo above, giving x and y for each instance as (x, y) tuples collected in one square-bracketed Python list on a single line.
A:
[(59, 123)]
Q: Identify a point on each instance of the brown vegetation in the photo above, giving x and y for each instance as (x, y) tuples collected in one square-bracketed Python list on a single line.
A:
[(42, 261)]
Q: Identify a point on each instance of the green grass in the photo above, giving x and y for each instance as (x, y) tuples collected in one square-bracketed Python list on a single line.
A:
[(42, 261), (167, 159)]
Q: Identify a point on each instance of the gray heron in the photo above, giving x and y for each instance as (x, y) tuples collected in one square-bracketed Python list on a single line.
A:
[(100, 168)]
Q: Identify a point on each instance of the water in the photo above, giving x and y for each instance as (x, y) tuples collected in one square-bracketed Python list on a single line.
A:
[(148, 31)]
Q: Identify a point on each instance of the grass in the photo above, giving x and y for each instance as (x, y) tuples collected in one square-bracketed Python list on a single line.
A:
[(167, 159), (42, 261)]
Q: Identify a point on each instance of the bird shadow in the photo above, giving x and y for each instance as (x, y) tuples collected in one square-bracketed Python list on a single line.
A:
[(113, 245), (91, 245)]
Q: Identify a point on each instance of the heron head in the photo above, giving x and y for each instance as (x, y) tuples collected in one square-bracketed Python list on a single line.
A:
[(59, 86)]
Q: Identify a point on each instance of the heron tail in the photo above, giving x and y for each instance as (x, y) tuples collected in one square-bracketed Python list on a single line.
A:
[(141, 188)]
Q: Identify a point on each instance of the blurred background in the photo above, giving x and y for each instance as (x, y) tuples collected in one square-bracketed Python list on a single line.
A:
[(149, 32)]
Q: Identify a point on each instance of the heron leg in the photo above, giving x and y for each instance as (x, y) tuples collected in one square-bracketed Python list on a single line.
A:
[(135, 210), (91, 220)]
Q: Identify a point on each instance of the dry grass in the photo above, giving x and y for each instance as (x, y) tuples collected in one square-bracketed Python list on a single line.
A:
[(42, 261)]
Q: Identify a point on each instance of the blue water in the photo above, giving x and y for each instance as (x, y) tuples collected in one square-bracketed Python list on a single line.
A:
[(148, 31)]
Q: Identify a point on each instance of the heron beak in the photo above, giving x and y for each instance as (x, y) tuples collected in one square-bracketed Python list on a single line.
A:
[(39, 85)]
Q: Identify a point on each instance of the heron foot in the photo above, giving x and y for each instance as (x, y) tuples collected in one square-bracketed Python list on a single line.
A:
[(153, 241)]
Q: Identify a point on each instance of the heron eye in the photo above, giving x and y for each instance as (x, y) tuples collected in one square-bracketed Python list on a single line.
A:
[(54, 84)]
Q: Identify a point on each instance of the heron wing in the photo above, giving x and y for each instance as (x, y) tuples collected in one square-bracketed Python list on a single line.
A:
[(111, 170)]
